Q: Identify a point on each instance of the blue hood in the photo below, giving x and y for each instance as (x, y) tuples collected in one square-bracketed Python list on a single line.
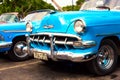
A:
[(61, 21)]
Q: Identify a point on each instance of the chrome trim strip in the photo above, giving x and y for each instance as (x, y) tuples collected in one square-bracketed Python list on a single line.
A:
[(5, 44), (56, 42), (14, 31), (108, 34), (57, 34)]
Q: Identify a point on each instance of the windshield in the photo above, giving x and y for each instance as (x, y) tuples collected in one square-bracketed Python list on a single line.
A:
[(8, 18), (35, 16), (93, 4)]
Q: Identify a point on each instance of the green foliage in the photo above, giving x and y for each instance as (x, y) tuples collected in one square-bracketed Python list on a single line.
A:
[(24, 6), (80, 2), (74, 7), (71, 8)]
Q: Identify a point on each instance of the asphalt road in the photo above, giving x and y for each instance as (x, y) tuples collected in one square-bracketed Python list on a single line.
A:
[(37, 70)]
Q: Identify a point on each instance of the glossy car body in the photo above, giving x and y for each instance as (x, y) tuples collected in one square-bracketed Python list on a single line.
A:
[(91, 34), (12, 35)]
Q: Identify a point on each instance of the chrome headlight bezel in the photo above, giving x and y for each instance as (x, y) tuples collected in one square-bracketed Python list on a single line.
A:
[(29, 27), (79, 26)]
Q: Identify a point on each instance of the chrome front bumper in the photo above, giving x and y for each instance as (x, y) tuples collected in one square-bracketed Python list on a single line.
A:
[(5, 44), (61, 55)]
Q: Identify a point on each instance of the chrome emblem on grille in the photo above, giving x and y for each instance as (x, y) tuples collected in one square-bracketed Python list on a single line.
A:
[(48, 26)]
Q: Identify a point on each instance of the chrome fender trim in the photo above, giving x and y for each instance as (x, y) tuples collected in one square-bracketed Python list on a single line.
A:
[(5, 44)]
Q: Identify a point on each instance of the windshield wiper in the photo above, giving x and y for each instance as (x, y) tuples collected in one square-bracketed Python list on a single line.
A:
[(103, 7)]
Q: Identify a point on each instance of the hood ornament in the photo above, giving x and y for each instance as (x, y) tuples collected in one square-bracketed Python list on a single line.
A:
[(48, 26)]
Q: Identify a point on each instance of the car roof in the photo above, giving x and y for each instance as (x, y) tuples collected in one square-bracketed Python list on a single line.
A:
[(14, 13)]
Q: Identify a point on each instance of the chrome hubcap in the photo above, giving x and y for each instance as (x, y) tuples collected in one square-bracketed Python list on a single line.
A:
[(19, 49), (105, 57)]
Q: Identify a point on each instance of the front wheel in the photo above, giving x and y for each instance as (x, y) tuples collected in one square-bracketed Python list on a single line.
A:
[(16, 53), (106, 60)]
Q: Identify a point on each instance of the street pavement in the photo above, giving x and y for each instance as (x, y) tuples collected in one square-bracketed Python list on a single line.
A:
[(34, 69)]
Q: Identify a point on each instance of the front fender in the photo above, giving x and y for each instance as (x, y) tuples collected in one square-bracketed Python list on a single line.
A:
[(9, 36)]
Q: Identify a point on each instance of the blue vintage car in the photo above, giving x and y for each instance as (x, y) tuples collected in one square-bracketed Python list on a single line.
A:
[(90, 35), (12, 35)]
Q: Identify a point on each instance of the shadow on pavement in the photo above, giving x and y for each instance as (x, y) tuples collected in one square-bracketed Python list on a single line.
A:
[(68, 67)]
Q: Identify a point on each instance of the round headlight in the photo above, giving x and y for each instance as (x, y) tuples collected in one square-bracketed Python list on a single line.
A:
[(29, 27), (79, 26)]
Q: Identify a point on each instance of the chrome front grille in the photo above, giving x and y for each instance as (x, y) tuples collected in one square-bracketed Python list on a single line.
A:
[(58, 39)]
